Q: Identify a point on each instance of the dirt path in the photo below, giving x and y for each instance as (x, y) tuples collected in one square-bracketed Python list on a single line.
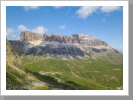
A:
[(76, 75), (84, 78)]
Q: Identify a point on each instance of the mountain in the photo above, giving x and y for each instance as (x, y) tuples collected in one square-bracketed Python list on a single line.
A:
[(120, 50), (53, 61), (65, 47), (30, 36), (81, 38)]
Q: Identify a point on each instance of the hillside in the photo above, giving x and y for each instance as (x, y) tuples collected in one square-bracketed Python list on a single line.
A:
[(82, 74), (19, 78)]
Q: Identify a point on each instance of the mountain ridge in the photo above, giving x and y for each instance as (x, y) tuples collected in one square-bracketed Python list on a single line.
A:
[(64, 47), (74, 39)]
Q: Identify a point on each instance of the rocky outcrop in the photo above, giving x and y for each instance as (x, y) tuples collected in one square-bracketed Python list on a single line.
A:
[(53, 37), (30, 36), (90, 41), (75, 39), (81, 38)]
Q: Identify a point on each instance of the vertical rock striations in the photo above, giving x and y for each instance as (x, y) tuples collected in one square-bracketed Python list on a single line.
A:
[(81, 38), (30, 36)]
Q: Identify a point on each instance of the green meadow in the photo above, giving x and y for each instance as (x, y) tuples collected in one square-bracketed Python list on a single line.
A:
[(76, 74)]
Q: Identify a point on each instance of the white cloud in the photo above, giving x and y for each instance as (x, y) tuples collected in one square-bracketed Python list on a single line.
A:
[(9, 33), (108, 9), (27, 8), (23, 28), (56, 7), (86, 11), (40, 29), (62, 27)]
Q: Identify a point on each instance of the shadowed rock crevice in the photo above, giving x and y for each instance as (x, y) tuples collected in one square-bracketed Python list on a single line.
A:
[(73, 51)]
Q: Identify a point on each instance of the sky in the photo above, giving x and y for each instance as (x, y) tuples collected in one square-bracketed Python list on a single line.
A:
[(102, 22)]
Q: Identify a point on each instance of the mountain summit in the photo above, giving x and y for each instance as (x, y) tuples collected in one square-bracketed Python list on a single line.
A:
[(30, 36)]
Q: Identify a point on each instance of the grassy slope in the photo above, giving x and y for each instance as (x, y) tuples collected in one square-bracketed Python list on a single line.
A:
[(83, 74), (19, 78)]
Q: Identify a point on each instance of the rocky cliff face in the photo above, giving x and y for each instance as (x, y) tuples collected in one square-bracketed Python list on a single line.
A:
[(75, 39), (58, 46), (81, 38), (30, 36)]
